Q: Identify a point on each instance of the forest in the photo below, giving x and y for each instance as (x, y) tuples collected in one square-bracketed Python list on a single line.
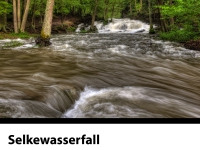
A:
[(176, 20)]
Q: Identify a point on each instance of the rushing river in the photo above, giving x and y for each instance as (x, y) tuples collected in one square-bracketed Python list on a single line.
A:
[(100, 75)]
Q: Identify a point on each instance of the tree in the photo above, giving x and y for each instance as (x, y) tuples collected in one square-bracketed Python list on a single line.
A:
[(15, 16), (151, 30), (18, 14), (24, 20), (4, 10), (94, 15), (183, 19), (163, 22), (37, 11), (106, 6), (44, 39)]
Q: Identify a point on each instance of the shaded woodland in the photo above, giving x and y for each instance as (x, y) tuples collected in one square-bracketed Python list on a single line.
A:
[(177, 20)]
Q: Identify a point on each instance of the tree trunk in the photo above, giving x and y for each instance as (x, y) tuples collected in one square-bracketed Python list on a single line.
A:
[(33, 16), (3, 20), (44, 39), (41, 12), (25, 2), (113, 10), (18, 14), (105, 14), (171, 19), (24, 20), (131, 11), (80, 9), (163, 23), (15, 16), (150, 18), (135, 2), (62, 19), (151, 30), (141, 5), (94, 15)]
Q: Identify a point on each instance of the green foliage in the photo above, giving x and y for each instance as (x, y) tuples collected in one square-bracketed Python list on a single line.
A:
[(38, 7), (71, 29), (186, 15), (138, 7), (21, 35), (178, 35), (5, 7), (17, 35)]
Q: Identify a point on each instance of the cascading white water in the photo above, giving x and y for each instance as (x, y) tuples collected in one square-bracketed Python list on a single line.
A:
[(131, 101), (119, 26)]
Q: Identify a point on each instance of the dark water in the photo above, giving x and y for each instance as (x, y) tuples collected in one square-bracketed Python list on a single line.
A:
[(100, 75)]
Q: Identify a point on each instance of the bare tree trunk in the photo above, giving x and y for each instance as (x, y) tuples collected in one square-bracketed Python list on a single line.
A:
[(113, 10), (25, 1), (135, 2), (41, 12), (105, 15), (141, 5), (131, 11), (94, 15), (15, 16), (171, 19), (46, 28), (150, 18), (163, 23), (151, 30), (44, 39), (18, 14), (80, 9), (33, 16), (33, 21), (24, 20)]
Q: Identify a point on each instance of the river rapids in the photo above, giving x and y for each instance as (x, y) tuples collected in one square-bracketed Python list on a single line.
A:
[(101, 75)]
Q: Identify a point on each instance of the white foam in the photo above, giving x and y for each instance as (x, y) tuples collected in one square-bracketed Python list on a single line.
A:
[(128, 102), (119, 26)]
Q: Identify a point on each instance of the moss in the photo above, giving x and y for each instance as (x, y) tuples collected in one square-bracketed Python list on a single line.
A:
[(44, 36), (22, 35)]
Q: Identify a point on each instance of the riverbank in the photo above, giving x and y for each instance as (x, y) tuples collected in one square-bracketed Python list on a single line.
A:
[(16, 35)]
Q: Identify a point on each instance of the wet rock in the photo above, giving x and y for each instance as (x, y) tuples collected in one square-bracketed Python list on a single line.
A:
[(142, 30), (193, 45), (43, 42)]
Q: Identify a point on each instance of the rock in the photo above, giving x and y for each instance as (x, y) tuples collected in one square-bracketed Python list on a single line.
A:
[(43, 42), (193, 45)]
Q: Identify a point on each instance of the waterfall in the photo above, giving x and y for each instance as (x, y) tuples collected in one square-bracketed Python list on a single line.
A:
[(118, 26)]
